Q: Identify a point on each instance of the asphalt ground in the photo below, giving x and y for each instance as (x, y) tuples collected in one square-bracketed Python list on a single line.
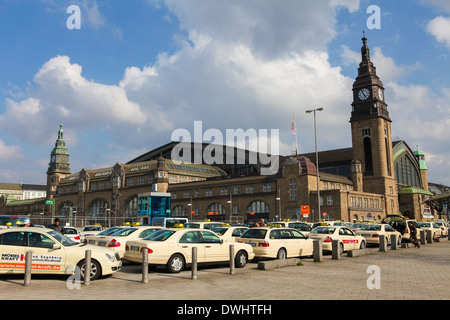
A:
[(406, 274)]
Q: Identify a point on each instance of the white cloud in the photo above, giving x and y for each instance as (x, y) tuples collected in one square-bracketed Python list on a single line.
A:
[(9, 153), (439, 27), (62, 93)]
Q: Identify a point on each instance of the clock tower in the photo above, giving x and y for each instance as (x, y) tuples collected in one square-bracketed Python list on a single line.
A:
[(58, 167), (371, 133)]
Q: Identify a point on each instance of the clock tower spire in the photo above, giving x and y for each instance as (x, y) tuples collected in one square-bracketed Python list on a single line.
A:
[(58, 167), (371, 132)]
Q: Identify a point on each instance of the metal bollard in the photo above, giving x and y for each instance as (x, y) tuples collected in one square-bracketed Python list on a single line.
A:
[(145, 265), (383, 244), (393, 242), (429, 237), (194, 263), (87, 267), (28, 263), (317, 250), (423, 239), (335, 250), (232, 259)]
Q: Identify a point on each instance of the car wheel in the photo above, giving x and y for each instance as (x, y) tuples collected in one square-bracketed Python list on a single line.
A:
[(240, 259), (363, 245), (341, 248), (399, 241), (281, 254), (96, 269), (175, 264)]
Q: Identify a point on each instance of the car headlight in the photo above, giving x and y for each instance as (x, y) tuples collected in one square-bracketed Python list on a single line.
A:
[(110, 257)]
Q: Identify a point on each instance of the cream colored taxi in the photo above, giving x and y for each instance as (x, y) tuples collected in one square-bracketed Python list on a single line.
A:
[(372, 232), (433, 227), (299, 225), (348, 240), (172, 248), (276, 242), (229, 233), (53, 253), (118, 239), (202, 224)]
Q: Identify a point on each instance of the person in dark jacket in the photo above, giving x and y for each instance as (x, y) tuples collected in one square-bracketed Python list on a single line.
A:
[(56, 226), (413, 234)]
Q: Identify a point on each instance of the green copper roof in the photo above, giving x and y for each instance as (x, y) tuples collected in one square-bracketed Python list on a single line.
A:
[(407, 190)]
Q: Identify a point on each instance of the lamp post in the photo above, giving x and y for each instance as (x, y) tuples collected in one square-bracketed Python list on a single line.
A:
[(317, 158)]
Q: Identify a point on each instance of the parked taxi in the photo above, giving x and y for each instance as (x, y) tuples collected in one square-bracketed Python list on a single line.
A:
[(229, 233), (372, 233), (72, 233), (202, 224), (348, 240), (443, 226), (91, 230), (118, 239), (277, 242), (329, 223), (299, 225), (172, 248), (401, 224), (53, 253), (433, 227)]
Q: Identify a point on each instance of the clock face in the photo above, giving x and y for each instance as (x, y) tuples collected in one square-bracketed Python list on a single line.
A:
[(363, 94), (380, 94)]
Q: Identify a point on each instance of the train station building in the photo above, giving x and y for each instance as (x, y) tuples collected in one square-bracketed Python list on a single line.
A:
[(373, 178)]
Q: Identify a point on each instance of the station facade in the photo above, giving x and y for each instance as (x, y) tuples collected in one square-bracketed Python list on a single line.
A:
[(373, 178)]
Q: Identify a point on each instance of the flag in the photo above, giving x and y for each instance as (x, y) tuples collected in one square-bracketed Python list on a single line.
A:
[(293, 126)]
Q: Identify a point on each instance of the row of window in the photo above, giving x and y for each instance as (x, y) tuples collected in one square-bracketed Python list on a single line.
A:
[(223, 191), (365, 202)]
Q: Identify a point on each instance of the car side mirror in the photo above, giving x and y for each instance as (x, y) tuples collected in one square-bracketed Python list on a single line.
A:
[(56, 246)]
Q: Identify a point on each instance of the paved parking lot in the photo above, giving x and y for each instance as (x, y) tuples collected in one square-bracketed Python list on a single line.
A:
[(404, 274)]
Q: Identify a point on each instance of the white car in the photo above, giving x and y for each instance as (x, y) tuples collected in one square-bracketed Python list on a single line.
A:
[(173, 248), (372, 233), (229, 233), (348, 240), (72, 233), (280, 243), (53, 253), (118, 239)]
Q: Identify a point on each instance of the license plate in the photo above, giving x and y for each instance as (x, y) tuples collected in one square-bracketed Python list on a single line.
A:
[(91, 241), (253, 244), (366, 235), (102, 244), (134, 248)]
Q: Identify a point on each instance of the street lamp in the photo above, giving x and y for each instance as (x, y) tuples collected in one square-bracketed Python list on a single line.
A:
[(317, 158)]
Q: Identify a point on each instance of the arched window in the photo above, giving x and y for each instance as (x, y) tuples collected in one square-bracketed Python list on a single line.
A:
[(131, 209), (215, 209), (368, 156), (406, 172), (98, 208), (179, 211), (258, 206)]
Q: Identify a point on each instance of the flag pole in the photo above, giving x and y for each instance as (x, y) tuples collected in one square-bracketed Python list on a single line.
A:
[(294, 131)]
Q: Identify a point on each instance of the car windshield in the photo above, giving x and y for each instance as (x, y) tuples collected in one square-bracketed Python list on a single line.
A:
[(108, 231), (323, 230), (371, 227), (219, 231), (123, 232), (424, 224), (62, 239), (255, 234), (92, 228), (160, 235), (191, 225)]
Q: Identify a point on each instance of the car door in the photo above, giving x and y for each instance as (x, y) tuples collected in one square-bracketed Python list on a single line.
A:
[(215, 250), (304, 244), (13, 249), (349, 239), (46, 257), (291, 244), (189, 240)]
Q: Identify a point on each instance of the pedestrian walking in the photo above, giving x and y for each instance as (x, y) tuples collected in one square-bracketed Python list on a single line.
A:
[(413, 234)]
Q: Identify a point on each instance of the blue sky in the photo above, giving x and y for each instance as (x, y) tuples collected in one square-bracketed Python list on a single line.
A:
[(138, 70)]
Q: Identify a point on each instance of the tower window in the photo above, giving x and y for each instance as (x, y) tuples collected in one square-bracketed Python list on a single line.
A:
[(368, 156), (365, 132)]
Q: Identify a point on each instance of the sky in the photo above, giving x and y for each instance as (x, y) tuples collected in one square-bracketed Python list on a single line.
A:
[(123, 76)]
